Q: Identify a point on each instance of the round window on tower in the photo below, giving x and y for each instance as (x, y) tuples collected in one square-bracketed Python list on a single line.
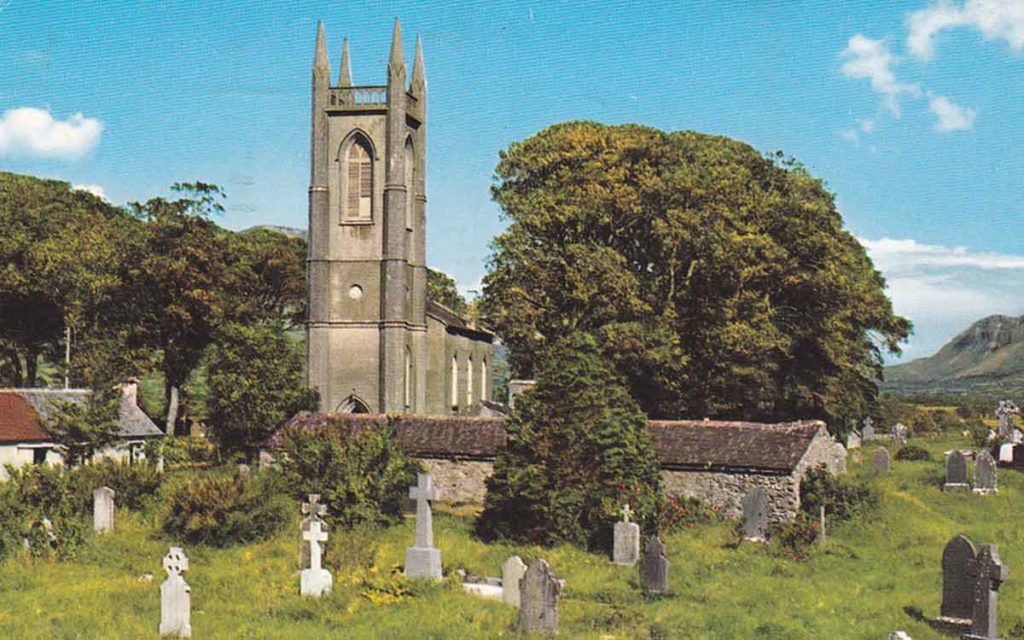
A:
[(355, 292)]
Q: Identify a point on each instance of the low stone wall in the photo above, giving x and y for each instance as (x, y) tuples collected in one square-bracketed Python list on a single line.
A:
[(727, 490), (459, 481)]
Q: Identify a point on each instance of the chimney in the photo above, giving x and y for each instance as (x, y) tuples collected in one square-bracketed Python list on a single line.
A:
[(130, 390)]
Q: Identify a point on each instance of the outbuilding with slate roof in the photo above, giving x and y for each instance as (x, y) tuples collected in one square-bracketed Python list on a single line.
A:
[(713, 461), (25, 412)]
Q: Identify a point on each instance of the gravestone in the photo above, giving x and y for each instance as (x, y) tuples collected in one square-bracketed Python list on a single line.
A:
[(881, 460), (539, 591), (957, 586), (315, 581), (512, 571), (654, 567), (422, 560), (900, 433), (867, 432), (312, 510), (1006, 412), (853, 441), (755, 515), (103, 509), (1006, 453), (985, 474), (175, 596), (988, 573), (626, 540), (956, 473)]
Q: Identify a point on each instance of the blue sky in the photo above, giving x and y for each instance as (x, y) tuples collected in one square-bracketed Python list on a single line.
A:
[(911, 111)]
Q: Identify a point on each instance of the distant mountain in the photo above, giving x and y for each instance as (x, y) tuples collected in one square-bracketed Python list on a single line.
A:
[(989, 353), (291, 232)]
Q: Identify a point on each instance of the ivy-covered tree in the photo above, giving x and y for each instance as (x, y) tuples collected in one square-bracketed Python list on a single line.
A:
[(441, 288), (255, 380), (578, 449), (719, 281)]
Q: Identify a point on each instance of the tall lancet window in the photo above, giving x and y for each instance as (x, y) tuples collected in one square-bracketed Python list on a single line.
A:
[(485, 390), (455, 383), (469, 382), (408, 378), (410, 185), (358, 182)]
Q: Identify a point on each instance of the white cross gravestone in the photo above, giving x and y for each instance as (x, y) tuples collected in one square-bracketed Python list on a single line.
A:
[(315, 581), (103, 510), (312, 510), (422, 560), (511, 573), (175, 596), (626, 540)]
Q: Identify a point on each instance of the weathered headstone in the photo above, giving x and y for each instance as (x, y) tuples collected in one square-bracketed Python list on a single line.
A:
[(956, 472), (626, 540), (315, 581), (539, 591), (103, 509), (853, 441), (900, 433), (755, 515), (654, 567), (985, 474), (312, 510), (957, 587), (422, 560), (1006, 412), (867, 432), (175, 597), (881, 460), (988, 573), (512, 571)]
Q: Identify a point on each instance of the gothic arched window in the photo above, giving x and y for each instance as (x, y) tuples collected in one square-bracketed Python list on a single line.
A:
[(485, 392), (408, 378), (469, 382), (455, 382), (358, 181), (410, 184)]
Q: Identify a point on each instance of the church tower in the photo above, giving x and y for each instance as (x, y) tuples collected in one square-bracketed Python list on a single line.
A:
[(366, 334)]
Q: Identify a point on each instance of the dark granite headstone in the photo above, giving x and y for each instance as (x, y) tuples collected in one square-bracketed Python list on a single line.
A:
[(755, 515), (881, 460), (985, 473), (538, 599), (956, 473), (988, 572), (957, 587), (654, 567)]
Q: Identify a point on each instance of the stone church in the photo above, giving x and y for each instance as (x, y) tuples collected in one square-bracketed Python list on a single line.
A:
[(376, 343)]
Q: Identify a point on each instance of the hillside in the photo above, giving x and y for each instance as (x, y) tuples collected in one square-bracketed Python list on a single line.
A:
[(988, 354), (291, 232)]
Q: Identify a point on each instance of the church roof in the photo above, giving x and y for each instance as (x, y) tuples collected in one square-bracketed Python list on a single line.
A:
[(455, 323), (679, 444), (24, 412)]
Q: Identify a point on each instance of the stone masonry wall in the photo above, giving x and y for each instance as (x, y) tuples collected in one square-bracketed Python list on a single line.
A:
[(459, 481), (728, 489)]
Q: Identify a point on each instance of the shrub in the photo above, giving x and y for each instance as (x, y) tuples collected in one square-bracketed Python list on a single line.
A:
[(948, 421), (913, 452), (13, 515), (222, 510), (182, 451), (133, 483), (841, 496), (360, 473), (796, 536), (676, 512), (40, 494), (578, 448), (979, 434)]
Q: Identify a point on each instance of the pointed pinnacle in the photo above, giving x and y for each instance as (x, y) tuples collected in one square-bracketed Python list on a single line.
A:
[(346, 71), (320, 60), (419, 78), (396, 46)]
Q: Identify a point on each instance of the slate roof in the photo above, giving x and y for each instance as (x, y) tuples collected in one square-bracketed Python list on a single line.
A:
[(23, 412), (679, 444), (454, 323)]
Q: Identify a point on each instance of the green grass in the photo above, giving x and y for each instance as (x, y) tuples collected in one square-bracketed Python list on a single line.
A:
[(856, 586)]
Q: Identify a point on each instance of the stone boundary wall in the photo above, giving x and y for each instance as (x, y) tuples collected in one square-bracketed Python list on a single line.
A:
[(727, 490)]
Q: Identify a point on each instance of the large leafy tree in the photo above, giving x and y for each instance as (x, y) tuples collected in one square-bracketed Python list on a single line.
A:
[(719, 281), (578, 448)]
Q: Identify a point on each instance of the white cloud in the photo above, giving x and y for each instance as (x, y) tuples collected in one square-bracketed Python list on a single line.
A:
[(35, 133), (94, 189), (867, 125), (944, 289), (994, 19), (951, 116), (850, 135), (868, 59)]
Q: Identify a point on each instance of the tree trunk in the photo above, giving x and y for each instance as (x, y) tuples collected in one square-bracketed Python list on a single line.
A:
[(16, 378), (172, 409), (31, 369)]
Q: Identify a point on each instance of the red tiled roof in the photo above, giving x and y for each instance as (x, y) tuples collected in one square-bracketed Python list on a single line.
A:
[(19, 422)]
